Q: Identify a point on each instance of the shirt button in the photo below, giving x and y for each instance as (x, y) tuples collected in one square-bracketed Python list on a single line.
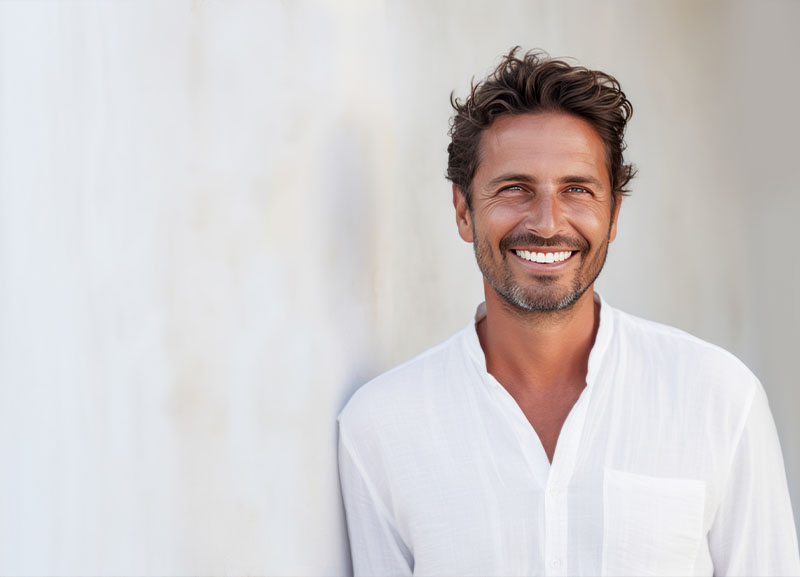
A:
[(555, 491), (555, 563)]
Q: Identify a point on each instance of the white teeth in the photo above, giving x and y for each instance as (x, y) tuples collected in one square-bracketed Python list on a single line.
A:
[(544, 257)]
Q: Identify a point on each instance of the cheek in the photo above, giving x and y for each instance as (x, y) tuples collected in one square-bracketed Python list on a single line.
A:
[(500, 217), (593, 222)]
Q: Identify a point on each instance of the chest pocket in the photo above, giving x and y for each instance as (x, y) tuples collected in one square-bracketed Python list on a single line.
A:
[(651, 525)]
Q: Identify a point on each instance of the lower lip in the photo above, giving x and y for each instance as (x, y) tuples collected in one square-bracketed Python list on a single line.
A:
[(544, 266)]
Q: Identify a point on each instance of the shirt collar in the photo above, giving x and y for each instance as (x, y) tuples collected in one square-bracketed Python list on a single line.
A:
[(601, 340)]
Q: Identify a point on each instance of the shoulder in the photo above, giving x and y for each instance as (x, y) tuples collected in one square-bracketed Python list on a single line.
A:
[(686, 400), (399, 395), (682, 359), (667, 342)]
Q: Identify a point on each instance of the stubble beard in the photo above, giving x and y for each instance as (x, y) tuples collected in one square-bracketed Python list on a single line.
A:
[(535, 299)]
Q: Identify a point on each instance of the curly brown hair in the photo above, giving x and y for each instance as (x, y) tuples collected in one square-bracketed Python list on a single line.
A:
[(537, 83)]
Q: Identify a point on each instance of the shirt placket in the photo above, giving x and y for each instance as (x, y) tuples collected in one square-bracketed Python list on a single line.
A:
[(556, 525), (556, 502)]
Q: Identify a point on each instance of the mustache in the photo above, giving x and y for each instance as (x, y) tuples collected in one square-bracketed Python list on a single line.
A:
[(530, 239)]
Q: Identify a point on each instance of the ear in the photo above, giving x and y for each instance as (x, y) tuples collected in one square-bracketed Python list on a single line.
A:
[(612, 233), (463, 215)]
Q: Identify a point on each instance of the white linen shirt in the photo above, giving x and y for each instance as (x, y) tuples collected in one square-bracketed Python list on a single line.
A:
[(668, 464)]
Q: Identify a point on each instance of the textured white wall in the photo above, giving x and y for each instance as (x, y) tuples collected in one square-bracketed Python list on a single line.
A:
[(219, 218)]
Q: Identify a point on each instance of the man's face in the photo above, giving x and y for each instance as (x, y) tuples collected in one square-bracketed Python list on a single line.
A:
[(541, 216)]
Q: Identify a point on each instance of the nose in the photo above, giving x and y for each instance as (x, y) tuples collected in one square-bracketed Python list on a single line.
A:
[(545, 216)]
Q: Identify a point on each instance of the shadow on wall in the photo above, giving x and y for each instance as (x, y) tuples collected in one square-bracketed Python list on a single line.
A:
[(352, 238)]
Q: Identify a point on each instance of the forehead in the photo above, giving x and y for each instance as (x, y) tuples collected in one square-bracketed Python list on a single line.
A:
[(545, 144)]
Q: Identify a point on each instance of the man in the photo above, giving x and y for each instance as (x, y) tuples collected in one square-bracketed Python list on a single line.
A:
[(556, 435)]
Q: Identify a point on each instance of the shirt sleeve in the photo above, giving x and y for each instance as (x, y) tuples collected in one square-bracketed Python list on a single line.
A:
[(754, 533), (375, 544)]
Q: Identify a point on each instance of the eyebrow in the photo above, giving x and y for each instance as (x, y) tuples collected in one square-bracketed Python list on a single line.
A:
[(511, 177), (581, 179), (570, 178)]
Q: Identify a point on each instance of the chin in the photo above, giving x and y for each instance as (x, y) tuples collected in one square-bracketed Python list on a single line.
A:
[(541, 301)]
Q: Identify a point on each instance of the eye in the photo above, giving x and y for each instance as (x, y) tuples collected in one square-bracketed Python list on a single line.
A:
[(579, 189), (514, 188)]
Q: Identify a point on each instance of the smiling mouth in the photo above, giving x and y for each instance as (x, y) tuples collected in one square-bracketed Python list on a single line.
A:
[(544, 257)]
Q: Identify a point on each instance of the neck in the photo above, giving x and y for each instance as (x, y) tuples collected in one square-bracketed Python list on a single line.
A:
[(538, 352)]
